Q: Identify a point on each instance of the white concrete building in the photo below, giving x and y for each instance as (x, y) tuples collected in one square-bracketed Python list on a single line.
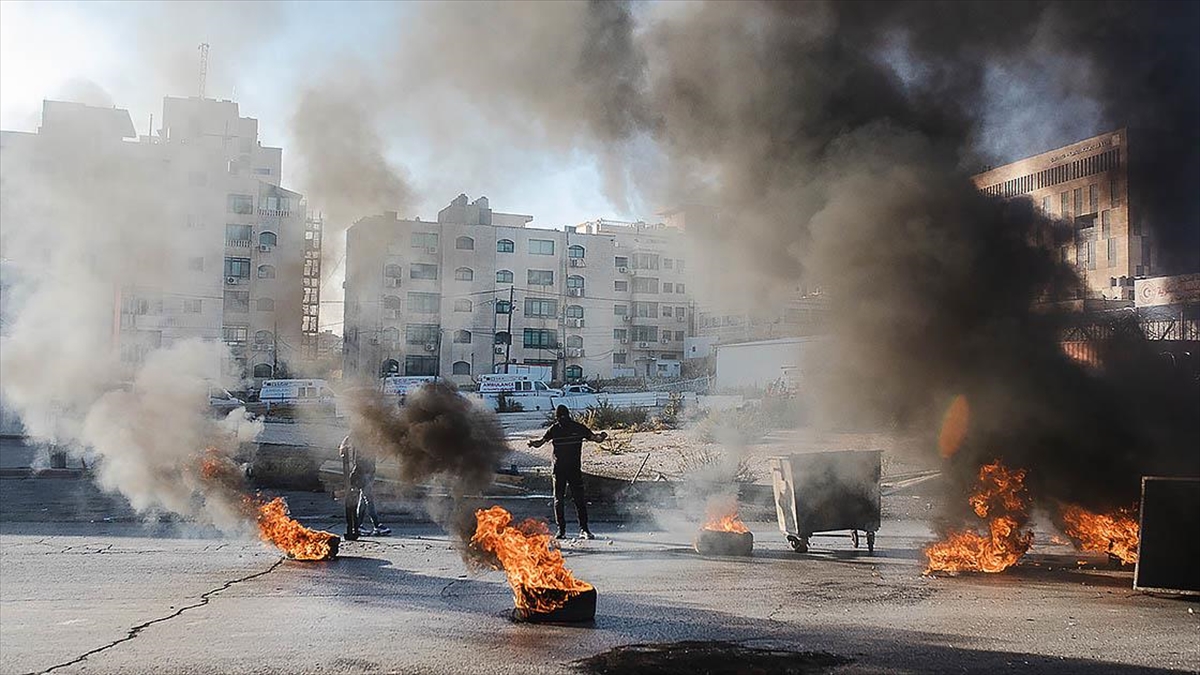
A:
[(235, 258), (600, 299)]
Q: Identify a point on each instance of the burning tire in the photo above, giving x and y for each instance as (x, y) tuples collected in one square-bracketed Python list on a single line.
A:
[(719, 542), (577, 608)]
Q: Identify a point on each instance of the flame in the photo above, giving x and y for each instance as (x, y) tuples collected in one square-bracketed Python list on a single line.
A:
[(1113, 533), (954, 426), (275, 526), (1001, 494), (534, 567), (723, 516)]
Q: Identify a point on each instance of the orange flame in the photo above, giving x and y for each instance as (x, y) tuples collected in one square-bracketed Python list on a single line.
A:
[(954, 426), (1002, 494), (723, 516), (1113, 533), (534, 567), (275, 526)]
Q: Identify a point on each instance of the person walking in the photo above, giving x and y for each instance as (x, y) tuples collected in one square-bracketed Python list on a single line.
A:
[(568, 436), (362, 477)]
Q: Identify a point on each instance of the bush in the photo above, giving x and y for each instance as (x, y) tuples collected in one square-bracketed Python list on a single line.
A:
[(608, 416), (505, 404)]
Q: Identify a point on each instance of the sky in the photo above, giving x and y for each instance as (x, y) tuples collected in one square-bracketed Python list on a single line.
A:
[(262, 55)]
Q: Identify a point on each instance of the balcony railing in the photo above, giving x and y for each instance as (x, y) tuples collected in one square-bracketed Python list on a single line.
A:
[(239, 243)]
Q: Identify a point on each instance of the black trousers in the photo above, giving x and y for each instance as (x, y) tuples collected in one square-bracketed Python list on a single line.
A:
[(568, 473)]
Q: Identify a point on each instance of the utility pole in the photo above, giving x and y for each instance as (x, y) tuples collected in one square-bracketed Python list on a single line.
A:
[(508, 346), (203, 67)]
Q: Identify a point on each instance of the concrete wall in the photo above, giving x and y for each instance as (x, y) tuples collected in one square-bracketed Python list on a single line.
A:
[(755, 364)]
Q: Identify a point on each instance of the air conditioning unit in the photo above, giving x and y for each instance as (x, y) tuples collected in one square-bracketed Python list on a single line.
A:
[(575, 323), (624, 341), (665, 339), (577, 262), (233, 281), (431, 249), (622, 270), (431, 347), (679, 317), (575, 352), (499, 350), (627, 318), (575, 292), (263, 248), (643, 345), (374, 341)]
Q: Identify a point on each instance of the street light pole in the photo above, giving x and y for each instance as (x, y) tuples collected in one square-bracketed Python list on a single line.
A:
[(508, 345)]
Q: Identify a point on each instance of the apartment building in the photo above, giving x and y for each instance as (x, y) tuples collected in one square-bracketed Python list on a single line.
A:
[(476, 289), (225, 253), (1085, 185)]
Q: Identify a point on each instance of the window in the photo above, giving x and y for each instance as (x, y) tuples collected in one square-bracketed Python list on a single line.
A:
[(423, 303), (621, 310), (276, 204), (268, 239), (646, 310), (462, 337), (460, 368), (234, 334), (1112, 252), (425, 240), (422, 271), (266, 271), (536, 338), (462, 305), (392, 303), (237, 235), (422, 334), (504, 276), (680, 312), (192, 305), (262, 370), (263, 337), (620, 334), (667, 263), (237, 301), (574, 373), (464, 244), (1114, 197), (645, 261), (575, 252), (243, 204), (503, 307), (541, 246), (266, 305), (645, 333), (1078, 200), (1093, 202), (679, 336), (668, 287), (645, 285), (666, 310), (541, 307), (420, 365), (237, 267), (464, 274), (575, 281), (541, 278), (679, 288), (392, 271), (196, 264), (619, 358), (574, 312), (390, 335), (390, 367), (575, 342), (1105, 224), (620, 285), (679, 264), (503, 338), (1046, 205), (621, 261), (1065, 198), (505, 246)]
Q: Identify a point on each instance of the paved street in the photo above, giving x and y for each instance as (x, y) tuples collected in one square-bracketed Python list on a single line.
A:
[(133, 598)]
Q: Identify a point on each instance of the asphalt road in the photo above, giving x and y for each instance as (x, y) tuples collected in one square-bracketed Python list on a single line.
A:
[(132, 598)]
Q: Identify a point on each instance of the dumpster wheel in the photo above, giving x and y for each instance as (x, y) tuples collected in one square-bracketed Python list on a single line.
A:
[(799, 544)]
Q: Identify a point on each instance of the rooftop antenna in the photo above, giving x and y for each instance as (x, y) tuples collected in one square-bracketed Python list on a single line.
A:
[(203, 66)]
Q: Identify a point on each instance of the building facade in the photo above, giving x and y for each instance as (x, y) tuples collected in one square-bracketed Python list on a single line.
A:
[(1086, 186), (225, 252), (476, 289)]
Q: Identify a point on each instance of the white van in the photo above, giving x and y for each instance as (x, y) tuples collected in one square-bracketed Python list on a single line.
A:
[(400, 385), (515, 385), (296, 392)]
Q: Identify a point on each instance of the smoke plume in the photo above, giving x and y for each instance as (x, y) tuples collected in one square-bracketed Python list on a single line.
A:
[(438, 437)]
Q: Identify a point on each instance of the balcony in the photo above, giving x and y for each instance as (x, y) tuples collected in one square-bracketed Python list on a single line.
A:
[(239, 243), (275, 213)]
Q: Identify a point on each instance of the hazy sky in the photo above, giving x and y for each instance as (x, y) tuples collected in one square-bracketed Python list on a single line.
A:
[(261, 54)]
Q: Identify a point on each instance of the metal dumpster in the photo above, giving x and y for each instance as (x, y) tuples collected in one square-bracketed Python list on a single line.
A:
[(825, 492)]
